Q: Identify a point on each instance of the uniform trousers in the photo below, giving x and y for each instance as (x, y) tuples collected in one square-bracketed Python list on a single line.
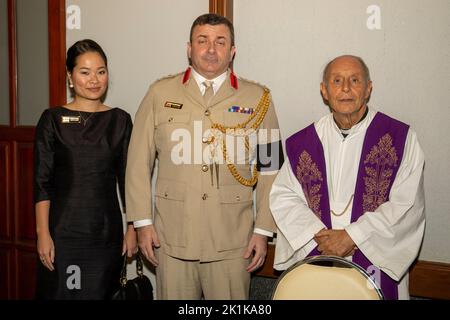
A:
[(178, 279)]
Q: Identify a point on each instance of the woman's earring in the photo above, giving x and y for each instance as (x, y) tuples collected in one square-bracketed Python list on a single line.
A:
[(71, 86)]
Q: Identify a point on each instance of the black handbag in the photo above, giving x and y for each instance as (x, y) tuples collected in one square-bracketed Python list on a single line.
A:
[(139, 288)]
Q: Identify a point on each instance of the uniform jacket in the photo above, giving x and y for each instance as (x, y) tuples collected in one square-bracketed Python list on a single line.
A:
[(194, 219)]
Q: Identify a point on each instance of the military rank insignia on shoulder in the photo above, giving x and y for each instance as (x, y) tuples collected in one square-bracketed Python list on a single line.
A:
[(255, 83), (170, 76)]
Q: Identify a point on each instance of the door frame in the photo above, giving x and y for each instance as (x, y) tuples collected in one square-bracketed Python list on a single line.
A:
[(222, 7), (57, 57), (18, 242)]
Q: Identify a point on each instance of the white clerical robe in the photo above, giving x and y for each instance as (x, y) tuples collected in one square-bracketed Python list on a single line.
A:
[(390, 237)]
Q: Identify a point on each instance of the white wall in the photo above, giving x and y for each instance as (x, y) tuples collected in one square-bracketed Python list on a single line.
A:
[(285, 45)]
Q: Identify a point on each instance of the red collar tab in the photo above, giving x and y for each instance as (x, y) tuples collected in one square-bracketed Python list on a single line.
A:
[(234, 81), (187, 75)]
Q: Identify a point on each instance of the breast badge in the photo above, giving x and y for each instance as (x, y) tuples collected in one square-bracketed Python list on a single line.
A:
[(70, 119), (173, 105), (236, 109)]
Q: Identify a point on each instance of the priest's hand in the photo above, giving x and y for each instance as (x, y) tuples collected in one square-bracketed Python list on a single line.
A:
[(147, 241), (335, 242), (258, 246)]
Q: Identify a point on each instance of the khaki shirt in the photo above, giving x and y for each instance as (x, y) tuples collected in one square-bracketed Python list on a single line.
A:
[(194, 219)]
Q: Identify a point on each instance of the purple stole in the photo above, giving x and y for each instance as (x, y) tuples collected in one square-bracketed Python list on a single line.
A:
[(381, 156)]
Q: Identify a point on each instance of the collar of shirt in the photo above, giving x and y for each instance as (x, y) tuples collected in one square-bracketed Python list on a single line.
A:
[(360, 126), (217, 81)]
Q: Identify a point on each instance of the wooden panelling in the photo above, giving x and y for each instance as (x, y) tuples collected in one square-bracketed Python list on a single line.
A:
[(24, 213), (222, 7), (5, 213), (17, 134), (426, 279), (5, 273), (430, 280), (26, 274)]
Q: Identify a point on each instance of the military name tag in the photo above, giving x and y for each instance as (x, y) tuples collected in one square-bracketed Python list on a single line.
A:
[(67, 119), (173, 105), (236, 109)]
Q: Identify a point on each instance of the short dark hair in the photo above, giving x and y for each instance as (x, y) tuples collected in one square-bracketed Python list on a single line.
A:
[(214, 20), (359, 59), (81, 47)]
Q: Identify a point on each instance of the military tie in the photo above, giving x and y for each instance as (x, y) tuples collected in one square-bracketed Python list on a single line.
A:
[(209, 92), (207, 96)]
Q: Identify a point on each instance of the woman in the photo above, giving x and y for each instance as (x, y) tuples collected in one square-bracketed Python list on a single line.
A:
[(80, 155)]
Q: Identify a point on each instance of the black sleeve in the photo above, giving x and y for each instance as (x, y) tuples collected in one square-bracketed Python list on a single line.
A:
[(122, 159), (44, 158)]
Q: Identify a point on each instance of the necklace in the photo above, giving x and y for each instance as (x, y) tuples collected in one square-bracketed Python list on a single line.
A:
[(85, 119), (346, 207)]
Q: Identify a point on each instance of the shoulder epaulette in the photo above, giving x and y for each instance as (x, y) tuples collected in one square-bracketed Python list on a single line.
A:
[(171, 76), (254, 82)]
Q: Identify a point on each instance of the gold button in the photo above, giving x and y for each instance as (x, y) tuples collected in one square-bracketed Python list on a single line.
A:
[(205, 196), (170, 119), (205, 168), (208, 140), (207, 113), (238, 198)]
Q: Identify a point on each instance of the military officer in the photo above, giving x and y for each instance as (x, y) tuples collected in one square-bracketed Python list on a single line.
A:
[(203, 236)]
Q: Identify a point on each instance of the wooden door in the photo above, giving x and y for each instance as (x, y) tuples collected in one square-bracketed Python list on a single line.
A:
[(24, 50)]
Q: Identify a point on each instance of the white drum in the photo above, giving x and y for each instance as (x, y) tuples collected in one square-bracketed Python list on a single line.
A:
[(326, 278)]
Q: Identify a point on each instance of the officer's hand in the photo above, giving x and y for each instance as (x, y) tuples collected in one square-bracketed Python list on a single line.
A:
[(258, 245), (147, 240)]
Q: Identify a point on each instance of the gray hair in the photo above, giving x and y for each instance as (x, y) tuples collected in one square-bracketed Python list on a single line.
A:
[(359, 59)]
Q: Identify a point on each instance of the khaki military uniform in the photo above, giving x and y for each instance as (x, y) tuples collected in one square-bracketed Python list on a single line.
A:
[(195, 219)]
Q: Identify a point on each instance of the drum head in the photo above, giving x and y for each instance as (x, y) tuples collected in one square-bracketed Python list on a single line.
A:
[(326, 278)]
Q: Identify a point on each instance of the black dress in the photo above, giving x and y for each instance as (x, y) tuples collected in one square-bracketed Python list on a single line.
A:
[(78, 164)]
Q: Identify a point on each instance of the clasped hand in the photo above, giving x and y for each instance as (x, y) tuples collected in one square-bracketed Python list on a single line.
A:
[(335, 243)]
